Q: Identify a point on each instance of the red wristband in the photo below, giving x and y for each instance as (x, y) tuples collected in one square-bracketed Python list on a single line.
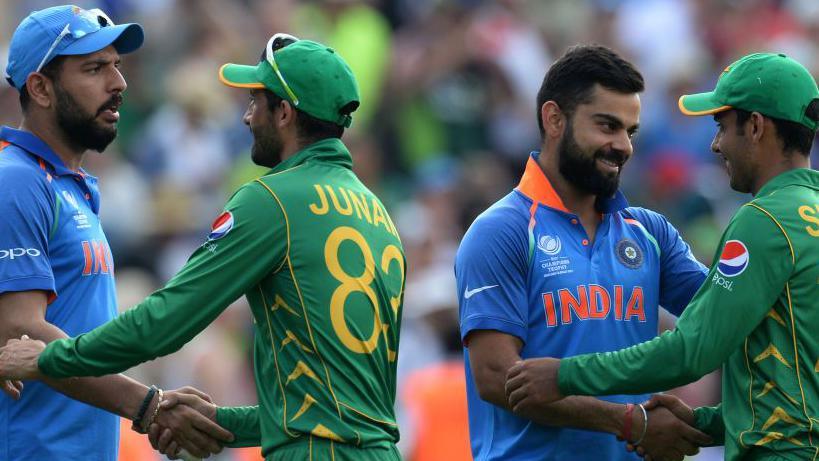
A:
[(627, 422)]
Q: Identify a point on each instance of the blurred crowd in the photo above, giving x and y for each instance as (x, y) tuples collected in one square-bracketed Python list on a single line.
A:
[(447, 118)]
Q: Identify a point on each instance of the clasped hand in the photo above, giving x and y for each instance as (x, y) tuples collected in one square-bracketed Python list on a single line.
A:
[(669, 434), (187, 421), (186, 418)]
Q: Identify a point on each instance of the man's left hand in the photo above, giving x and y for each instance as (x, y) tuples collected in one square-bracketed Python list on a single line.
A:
[(18, 359), (532, 383)]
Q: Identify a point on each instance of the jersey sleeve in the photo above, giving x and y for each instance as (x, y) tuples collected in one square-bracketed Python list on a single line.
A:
[(490, 271), (750, 272), (26, 218), (681, 275), (243, 422), (248, 242), (709, 420)]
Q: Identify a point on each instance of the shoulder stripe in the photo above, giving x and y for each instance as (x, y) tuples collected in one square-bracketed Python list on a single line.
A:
[(4, 144), (645, 231), (286, 223), (790, 245)]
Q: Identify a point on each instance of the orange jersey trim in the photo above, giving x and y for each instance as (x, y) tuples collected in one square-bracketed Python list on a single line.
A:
[(537, 187)]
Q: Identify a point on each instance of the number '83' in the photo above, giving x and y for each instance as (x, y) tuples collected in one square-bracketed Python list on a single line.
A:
[(363, 284)]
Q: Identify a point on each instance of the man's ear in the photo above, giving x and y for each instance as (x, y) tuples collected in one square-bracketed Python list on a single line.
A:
[(287, 113), (40, 89), (756, 126), (554, 119)]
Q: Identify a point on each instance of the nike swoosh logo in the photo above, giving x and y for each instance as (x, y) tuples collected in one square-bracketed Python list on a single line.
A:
[(468, 293)]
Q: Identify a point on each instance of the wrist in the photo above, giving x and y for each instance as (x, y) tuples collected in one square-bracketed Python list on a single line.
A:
[(622, 421), (146, 408), (639, 424)]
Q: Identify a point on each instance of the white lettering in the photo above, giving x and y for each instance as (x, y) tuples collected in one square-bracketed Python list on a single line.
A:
[(12, 253), (723, 282)]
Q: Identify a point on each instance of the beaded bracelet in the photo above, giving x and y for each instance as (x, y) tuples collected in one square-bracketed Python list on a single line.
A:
[(146, 402), (156, 410)]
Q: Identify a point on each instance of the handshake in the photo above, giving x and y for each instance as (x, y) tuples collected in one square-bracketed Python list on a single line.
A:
[(661, 429), (179, 423)]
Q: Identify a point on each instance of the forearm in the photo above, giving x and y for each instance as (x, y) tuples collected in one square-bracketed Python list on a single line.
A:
[(665, 362), (581, 412), (578, 412), (243, 422), (117, 394), (158, 326)]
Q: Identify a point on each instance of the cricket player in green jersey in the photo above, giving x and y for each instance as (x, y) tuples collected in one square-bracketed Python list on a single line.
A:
[(757, 313), (316, 255)]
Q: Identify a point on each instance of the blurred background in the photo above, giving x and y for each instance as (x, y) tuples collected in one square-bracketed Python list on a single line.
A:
[(447, 119)]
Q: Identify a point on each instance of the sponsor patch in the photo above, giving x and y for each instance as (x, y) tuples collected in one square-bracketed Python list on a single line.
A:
[(17, 253), (221, 226), (629, 253), (734, 258)]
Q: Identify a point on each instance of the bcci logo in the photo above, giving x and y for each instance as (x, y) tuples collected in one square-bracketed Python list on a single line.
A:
[(629, 253), (549, 245)]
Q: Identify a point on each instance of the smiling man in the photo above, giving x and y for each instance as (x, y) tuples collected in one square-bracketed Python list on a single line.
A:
[(757, 313), (562, 266)]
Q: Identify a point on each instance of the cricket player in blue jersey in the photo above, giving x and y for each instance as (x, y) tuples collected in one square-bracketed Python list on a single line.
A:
[(563, 266), (56, 269)]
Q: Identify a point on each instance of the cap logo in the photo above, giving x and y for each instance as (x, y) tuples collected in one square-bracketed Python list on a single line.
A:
[(734, 258)]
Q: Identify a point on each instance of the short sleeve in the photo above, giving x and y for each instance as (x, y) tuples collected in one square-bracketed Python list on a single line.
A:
[(491, 270), (26, 211), (681, 275)]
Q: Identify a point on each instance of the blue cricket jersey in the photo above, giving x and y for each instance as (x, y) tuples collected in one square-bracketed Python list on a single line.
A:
[(526, 268), (51, 240)]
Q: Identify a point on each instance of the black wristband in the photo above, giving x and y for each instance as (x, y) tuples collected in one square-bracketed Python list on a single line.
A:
[(146, 402)]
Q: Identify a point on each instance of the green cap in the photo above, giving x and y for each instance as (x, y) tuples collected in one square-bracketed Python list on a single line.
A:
[(771, 84), (312, 76)]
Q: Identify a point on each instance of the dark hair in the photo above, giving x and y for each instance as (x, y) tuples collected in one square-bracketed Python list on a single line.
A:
[(794, 136), (570, 80), (310, 129), (50, 70)]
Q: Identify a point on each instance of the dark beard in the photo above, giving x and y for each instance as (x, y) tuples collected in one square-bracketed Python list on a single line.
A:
[(79, 127), (267, 148), (581, 169)]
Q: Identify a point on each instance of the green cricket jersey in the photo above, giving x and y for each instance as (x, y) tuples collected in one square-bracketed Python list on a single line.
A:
[(758, 315), (322, 266)]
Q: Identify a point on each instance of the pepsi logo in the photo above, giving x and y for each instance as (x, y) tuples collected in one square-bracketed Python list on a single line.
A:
[(734, 258), (221, 226)]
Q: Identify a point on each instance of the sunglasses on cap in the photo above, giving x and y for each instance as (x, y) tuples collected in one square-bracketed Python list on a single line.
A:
[(276, 43), (81, 24)]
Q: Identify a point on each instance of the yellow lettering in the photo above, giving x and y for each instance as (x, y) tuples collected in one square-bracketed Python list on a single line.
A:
[(379, 217), (346, 211), (324, 207), (361, 206), (808, 214)]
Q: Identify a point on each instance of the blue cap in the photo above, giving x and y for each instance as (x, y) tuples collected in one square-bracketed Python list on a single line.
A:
[(65, 30)]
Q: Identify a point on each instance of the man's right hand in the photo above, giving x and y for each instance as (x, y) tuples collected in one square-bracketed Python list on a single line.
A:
[(670, 435), (187, 420)]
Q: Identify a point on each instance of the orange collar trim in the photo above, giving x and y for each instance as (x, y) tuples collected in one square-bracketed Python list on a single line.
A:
[(537, 187)]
